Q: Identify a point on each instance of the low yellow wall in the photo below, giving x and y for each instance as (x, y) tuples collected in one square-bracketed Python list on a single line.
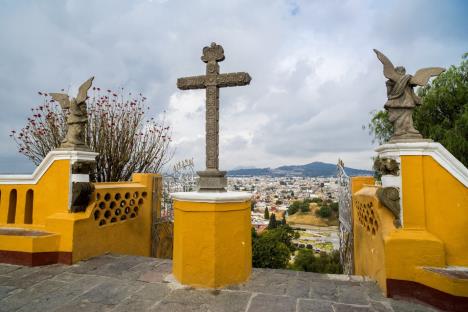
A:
[(118, 218), (127, 214), (50, 195), (371, 223), (212, 243), (436, 201), (434, 232)]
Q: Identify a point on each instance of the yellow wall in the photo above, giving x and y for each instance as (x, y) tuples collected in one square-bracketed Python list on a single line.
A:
[(50, 196), (435, 200), (127, 228), (434, 232), (212, 243), (372, 222)]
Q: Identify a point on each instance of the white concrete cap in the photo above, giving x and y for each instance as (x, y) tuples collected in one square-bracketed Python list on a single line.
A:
[(52, 156), (212, 197), (439, 153)]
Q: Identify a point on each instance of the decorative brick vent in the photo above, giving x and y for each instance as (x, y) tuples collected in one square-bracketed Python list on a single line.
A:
[(114, 207), (366, 216)]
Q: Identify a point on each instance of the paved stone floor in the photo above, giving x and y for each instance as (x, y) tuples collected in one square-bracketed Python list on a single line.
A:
[(127, 283)]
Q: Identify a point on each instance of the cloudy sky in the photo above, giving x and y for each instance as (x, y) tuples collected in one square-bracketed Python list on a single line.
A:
[(314, 76)]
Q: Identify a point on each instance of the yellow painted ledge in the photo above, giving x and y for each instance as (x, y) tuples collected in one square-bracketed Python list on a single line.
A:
[(46, 243), (447, 284)]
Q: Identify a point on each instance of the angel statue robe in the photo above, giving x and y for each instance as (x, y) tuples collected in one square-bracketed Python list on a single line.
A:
[(400, 94)]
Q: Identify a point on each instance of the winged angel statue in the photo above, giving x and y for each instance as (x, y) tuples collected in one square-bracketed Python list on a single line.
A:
[(77, 117), (401, 97)]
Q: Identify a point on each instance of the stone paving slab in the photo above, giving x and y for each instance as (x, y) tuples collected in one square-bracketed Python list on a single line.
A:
[(129, 283)]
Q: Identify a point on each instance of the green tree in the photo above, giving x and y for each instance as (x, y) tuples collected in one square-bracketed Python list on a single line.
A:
[(269, 253), (443, 115), (283, 220), (324, 212), (305, 206), (306, 260), (380, 127), (316, 200), (297, 205), (294, 207), (266, 214), (272, 224), (273, 248)]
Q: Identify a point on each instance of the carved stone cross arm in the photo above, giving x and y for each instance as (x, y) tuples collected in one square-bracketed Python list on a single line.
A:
[(194, 82), (233, 79), (221, 80)]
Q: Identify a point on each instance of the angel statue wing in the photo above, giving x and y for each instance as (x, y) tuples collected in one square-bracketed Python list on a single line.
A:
[(83, 90), (423, 75), (388, 68), (63, 99)]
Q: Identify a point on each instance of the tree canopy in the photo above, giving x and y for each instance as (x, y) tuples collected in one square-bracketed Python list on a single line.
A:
[(273, 248), (306, 260), (302, 206)]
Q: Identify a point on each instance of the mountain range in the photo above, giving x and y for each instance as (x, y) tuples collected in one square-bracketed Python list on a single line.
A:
[(314, 169)]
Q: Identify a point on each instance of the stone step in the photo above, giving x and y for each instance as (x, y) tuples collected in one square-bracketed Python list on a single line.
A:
[(28, 246)]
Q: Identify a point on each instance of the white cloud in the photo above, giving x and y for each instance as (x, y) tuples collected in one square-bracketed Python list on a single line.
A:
[(315, 78)]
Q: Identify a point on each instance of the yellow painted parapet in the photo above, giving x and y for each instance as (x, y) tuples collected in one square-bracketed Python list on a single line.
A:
[(212, 238), (37, 226), (431, 247), (371, 224)]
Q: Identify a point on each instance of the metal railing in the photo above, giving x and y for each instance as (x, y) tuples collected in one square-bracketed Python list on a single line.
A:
[(346, 219)]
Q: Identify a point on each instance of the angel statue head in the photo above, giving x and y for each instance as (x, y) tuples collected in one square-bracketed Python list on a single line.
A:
[(401, 97), (77, 116)]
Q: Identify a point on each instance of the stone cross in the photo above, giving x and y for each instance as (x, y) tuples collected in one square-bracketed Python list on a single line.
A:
[(212, 179)]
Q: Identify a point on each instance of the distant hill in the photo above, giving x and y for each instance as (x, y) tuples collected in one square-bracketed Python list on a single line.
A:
[(314, 169)]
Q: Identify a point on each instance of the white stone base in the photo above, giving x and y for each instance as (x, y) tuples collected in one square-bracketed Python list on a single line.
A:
[(52, 156), (212, 197)]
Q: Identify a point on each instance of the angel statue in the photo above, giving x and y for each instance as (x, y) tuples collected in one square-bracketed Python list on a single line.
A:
[(401, 97), (77, 117)]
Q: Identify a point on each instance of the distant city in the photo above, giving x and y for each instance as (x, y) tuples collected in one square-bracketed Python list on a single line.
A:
[(276, 189)]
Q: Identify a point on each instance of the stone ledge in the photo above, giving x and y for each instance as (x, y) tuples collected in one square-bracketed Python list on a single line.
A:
[(212, 197), (52, 156), (439, 153)]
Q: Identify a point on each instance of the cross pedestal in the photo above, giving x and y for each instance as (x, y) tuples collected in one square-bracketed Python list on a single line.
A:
[(212, 238), (212, 179)]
